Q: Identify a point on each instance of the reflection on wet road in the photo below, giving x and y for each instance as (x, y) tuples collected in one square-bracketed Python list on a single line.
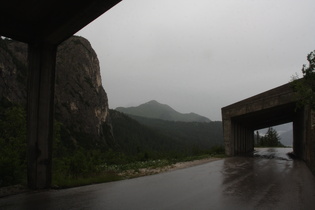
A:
[(269, 180)]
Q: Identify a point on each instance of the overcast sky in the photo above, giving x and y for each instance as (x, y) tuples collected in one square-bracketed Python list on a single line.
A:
[(199, 56)]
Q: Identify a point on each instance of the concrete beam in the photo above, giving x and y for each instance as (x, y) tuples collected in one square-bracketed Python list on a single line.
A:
[(48, 21), (40, 109)]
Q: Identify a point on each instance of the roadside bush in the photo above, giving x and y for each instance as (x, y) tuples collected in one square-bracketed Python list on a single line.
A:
[(12, 145)]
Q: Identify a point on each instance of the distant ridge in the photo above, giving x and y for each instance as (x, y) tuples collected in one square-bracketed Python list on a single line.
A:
[(155, 110)]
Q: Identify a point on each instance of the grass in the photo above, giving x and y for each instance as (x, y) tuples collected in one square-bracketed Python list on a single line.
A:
[(116, 172)]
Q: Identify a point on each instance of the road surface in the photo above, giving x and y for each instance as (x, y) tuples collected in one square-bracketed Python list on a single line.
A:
[(269, 180)]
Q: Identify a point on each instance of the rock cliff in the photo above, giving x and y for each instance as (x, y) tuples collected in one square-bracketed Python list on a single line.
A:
[(81, 103)]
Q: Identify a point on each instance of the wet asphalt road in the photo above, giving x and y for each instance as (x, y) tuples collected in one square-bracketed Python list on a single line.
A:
[(269, 180)]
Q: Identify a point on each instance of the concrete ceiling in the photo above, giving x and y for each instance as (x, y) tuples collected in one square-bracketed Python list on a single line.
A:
[(273, 107), (50, 21), (268, 117)]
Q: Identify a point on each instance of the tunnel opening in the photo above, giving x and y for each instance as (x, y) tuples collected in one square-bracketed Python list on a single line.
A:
[(244, 126), (274, 142), (284, 133)]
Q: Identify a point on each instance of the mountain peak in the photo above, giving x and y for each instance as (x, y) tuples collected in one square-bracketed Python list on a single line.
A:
[(152, 102), (156, 110)]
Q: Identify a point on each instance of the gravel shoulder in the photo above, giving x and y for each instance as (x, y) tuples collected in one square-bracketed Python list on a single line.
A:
[(176, 166)]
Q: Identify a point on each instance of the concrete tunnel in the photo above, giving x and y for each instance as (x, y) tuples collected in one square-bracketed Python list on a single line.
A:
[(274, 107)]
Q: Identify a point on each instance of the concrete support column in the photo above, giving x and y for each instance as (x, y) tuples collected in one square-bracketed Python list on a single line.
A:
[(40, 108), (228, 137), (243, 139), (238, 139), (237, 130), (249, 140), (237, 135), (299, 136)]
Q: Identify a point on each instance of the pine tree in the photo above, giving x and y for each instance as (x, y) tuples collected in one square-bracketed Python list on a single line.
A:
[(271, 139)]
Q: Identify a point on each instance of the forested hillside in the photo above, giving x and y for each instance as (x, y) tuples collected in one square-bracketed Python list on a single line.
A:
[(138, 134), (200, 134), (140, 141)]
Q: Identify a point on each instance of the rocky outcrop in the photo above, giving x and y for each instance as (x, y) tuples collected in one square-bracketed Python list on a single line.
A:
[(13, 71), (81, 103)]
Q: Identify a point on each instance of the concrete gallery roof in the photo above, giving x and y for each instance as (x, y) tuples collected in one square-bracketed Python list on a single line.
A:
[(50, 21)]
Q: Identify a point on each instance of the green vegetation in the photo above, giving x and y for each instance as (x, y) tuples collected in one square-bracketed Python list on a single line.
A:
[(153, 138), (270, 139), (195, 134), (305, 87), (75, 163), (12, 144)]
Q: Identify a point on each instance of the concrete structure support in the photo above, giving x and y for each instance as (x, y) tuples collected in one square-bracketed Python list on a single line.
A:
[(273, 107), (243, 138), (299, 134), (40, 108), (228, 137), (238, 139)]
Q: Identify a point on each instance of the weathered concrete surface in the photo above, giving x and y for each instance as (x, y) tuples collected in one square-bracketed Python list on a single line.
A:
[(269, 180), (273, 107)]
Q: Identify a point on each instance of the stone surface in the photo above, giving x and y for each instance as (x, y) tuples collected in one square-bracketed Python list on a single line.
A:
[(81, 103)]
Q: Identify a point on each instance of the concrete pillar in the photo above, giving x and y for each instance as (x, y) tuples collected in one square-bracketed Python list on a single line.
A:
[(299, 124), (236, 139), (239, 139), (245, 139), (228, 137), (250, 140), (40, 107)]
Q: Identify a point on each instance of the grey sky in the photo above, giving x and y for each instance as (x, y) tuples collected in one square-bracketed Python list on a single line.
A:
[(199, 56)]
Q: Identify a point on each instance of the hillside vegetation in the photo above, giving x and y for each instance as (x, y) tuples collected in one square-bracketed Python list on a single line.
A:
[(152, 138), (201, 135)]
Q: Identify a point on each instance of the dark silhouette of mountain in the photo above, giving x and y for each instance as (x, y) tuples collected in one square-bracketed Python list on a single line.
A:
[(202, 134), (138, 134), (135, 138), (155, 110)]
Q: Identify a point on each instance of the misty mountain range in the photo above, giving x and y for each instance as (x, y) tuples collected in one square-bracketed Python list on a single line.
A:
[(149, 113), (156, 110), (189, 131)]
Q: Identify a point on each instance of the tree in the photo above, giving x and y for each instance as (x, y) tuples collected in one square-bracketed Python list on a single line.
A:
[(305, 87), (270, 139)]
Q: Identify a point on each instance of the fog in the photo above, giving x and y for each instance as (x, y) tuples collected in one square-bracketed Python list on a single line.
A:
[(199, 56)]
